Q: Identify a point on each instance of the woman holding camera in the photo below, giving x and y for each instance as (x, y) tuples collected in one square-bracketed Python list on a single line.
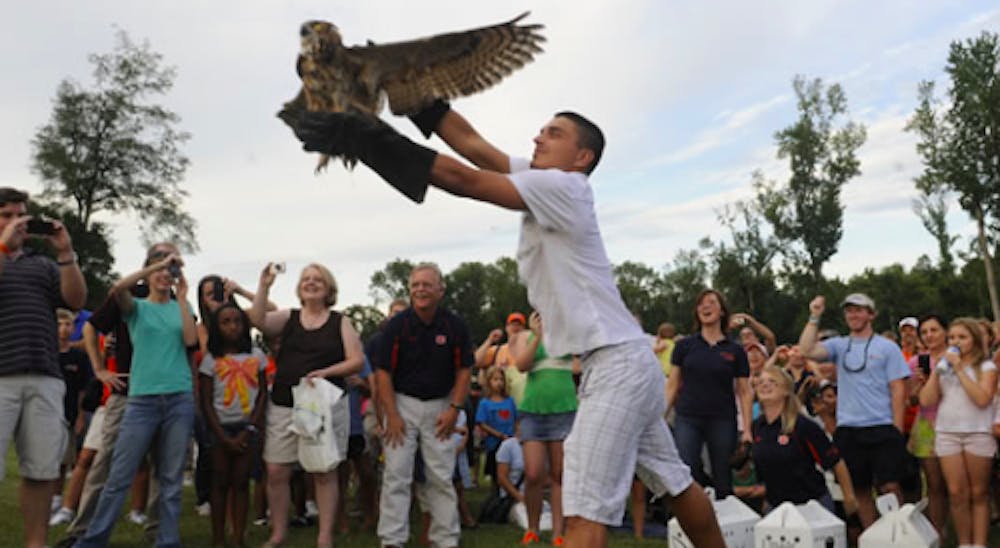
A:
[(964, 383), (316, 343), (160, 404), (213, 292), (933, 334)]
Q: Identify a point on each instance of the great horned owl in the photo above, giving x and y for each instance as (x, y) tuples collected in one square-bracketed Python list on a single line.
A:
[(410, 74)]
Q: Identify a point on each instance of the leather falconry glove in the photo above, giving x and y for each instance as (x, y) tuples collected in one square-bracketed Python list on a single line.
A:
[(399, 161), (428, 119)]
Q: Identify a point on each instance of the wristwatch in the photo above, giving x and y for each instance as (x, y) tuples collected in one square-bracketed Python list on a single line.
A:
[(70, 261), (456, 406)]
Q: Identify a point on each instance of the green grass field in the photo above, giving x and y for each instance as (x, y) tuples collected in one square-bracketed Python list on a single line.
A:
[(196, 530)]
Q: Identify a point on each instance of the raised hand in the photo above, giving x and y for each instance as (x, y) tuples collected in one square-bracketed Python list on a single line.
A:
[(817, 306), (535, 323), (267, 276)]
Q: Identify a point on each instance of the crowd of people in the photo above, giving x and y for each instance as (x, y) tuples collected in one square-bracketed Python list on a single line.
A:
[(573, 403)]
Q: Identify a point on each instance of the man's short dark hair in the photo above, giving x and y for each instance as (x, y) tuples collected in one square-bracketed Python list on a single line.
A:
[(12, 196), (590, 136)]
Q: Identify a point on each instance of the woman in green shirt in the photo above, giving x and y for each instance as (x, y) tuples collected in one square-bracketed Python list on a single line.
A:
[(546, 412)]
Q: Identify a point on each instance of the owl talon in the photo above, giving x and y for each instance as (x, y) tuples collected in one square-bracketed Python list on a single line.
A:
[(324, 159)]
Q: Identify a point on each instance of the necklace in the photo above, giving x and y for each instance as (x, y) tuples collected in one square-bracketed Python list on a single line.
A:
[(864, 362)]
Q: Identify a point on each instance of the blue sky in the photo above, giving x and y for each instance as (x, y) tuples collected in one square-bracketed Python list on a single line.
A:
[(689, 95)]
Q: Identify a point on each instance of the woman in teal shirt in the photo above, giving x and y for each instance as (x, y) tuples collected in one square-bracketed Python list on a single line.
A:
[(160, 408), (547, 413)]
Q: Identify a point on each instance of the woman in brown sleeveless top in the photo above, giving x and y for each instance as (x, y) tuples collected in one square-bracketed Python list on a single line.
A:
[(316, 343)]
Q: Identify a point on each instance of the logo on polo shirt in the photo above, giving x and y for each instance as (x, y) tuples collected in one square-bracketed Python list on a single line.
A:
[(728, 356), (441, 340)]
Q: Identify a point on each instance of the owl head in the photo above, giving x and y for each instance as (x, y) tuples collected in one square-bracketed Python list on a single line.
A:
[(320, 39)]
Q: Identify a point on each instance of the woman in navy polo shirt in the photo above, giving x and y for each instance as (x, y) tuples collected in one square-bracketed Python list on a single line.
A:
[(709, 371), (788, 447)]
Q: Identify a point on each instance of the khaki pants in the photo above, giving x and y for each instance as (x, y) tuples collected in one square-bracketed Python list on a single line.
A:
[(114, 410), (437, 494)]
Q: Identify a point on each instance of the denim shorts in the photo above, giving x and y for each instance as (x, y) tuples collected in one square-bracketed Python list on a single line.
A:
[(553, 427), (231, 430)]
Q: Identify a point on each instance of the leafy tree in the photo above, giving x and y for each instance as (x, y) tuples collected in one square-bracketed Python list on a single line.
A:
[(932, 208), (366, 319), (91, 244), (110, 148), (468, 294), (688, 275), (807, 210), (643, 289), (743, 268), (960, 143), (392, 282)]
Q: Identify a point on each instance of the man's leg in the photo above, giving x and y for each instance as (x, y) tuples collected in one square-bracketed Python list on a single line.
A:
[(660, 467), (41, 440), (602, 448), (35, 496), (697, 517), (439, 466), (394, 503)]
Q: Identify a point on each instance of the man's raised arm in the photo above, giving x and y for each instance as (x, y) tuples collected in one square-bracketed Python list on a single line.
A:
[(807, 341), (459, 134)]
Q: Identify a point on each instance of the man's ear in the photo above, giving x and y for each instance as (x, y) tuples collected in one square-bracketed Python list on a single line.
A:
[(584, 157)]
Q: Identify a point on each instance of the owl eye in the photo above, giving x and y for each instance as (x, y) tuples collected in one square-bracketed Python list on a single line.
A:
[(305, 30)]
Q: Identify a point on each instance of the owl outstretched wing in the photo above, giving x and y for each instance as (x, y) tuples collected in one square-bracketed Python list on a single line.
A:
[(415, 73)]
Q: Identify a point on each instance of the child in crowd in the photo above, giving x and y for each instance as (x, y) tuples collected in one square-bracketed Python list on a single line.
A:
[(460, 437), (965, 383), (496, 417), (76, 373), (232, 378)]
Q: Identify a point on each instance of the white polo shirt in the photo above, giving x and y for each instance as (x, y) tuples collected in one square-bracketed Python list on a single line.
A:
[(561, 260)]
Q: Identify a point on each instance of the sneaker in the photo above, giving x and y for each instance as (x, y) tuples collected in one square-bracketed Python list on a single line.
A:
[(137, 517), (312, 511), (204, 509), (63, 515), (260, 522), (301, 521), (68, 542), (557, 541), (530, 537), (56, 504)]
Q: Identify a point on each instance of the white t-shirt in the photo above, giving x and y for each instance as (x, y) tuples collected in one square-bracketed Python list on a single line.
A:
[(561, 260), (460, 422), (510, 453), (957, 413)]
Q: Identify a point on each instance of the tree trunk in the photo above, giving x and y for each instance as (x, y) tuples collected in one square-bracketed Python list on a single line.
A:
[(984, 252)]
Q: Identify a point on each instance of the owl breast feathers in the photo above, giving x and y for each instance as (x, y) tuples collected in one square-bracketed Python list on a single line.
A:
[(410, 75)]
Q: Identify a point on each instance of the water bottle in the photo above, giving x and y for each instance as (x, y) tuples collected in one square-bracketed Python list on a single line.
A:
[(942, 365)]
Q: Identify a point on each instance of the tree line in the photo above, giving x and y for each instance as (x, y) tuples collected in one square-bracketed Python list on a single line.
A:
[(110, 147)]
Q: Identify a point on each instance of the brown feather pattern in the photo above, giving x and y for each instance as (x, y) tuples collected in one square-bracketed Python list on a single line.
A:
[(411, 74)]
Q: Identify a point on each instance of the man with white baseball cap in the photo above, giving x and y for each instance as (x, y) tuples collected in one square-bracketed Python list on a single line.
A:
[(908, 340), (871, 398)]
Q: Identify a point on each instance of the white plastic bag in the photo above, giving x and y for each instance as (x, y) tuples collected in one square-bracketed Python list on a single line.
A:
[(321, 420)]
